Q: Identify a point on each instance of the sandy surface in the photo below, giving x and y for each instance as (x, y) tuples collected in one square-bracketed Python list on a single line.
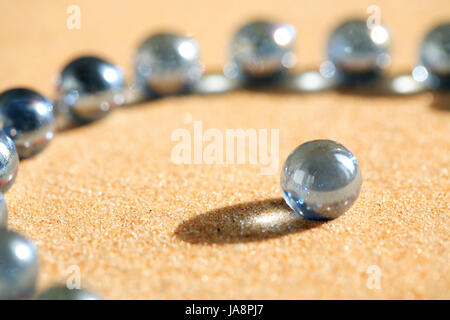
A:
[(108, 199)]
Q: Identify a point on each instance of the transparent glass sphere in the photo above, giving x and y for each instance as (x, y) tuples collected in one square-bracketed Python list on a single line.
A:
[(28, 119), (168, 63), (89, 88), (263, 49), (434, 67), (357, 50), (321, 180), (18, 266), (9, 162), (3, 212)]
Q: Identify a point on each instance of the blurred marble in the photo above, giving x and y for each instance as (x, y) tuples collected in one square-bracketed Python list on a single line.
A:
[(18, 266), (434, 67), (61, 292), (357, 53), (167, 63), (28, 119), (321, 179), (3, 212), (88, 88), (9, 162), (262, 50)]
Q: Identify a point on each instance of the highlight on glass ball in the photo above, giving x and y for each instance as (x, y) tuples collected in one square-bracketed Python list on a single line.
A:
[(321, 180), (262, 50), (357, 52), (167, 63)]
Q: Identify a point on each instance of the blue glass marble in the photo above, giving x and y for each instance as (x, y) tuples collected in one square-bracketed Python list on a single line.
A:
[(321, 179), (89, 88), (358, 53), (61, 292), (18, 266), (167, 63), (262, 50), (9, 162), (28, 119), (3, 212), (435, 58)]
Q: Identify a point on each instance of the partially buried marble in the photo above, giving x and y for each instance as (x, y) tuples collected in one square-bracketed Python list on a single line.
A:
[(321, 180)]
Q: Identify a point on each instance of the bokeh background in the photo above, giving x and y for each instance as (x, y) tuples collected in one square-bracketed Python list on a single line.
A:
[(106, 197)]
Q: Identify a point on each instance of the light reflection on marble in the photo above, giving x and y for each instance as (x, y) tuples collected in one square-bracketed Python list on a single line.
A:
[(404, 85), (215, 83), (305, 82)]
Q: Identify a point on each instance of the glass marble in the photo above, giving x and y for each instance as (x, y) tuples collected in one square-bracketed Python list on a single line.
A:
[(61, 292), (262, 50), (18, 266), (3, 212), (321, 179), (435, 58), (28, 119), (89, 88), (9, 162), (167, 63), (358, 52)]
